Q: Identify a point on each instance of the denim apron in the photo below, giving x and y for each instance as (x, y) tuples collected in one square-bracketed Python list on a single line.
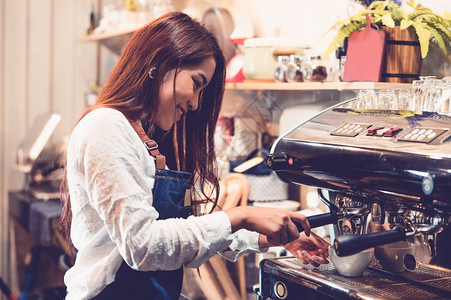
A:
[(171, 200)]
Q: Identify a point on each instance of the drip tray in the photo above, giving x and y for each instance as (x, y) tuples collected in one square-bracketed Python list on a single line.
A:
[(426, 282)]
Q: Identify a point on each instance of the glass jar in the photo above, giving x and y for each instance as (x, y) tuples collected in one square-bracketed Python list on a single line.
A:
[(314, 69), (281, 68), (294, 71), (387, 100)]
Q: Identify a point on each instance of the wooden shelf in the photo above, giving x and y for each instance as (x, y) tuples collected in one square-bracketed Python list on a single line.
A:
[(105, 35), (309, 86), (113, 40)]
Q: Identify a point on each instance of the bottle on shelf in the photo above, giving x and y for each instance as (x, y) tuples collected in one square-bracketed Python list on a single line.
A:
[(294, 69), (281, 68)]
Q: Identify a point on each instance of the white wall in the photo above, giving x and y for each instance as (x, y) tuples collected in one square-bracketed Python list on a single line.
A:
[(305, 21), (42, 69), (3, 205)]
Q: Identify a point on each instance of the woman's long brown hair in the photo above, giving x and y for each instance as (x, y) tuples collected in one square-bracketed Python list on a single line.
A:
[(170, 42)]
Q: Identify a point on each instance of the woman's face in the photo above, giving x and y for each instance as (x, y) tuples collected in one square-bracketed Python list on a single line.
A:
[(189, 83)]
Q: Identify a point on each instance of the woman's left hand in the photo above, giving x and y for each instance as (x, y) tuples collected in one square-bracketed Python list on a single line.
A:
[(309, 249)]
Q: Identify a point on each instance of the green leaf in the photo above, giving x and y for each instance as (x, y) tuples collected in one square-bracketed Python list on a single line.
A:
[(446, 32), (436, 22), (397, 13), (405, 24), (387, 20), (377, 5), (437, 19), (340, 37), (339, 22), (423, 36), (360, 17), (439, 39), (411, 3), (417, 14)]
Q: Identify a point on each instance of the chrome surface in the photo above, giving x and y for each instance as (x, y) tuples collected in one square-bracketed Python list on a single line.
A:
[(352, 265), (422, 283), (390, 173)]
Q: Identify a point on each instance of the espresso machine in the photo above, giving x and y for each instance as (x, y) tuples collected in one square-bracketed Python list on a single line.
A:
[(386, 176)]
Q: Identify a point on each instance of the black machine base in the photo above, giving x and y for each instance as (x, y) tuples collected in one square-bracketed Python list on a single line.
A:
[(287, 278)]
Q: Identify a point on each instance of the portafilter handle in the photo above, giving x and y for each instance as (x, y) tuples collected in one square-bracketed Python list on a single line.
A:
[(351, 244), (320, 220)]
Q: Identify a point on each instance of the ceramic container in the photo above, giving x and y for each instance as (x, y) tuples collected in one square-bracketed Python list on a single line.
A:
[(260, 56), (352, 265)]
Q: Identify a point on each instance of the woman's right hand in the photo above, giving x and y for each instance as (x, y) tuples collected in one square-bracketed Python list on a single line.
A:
[(276, 224), (309, 249)]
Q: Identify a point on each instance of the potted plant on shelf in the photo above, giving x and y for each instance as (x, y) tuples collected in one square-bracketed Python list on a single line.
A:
[(409, 29)]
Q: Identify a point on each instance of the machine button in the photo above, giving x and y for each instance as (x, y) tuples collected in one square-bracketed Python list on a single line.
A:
[(280, 290), (349, 129), (422, 135), (382, 132), (373, 130), (392, 131), (280, 161)]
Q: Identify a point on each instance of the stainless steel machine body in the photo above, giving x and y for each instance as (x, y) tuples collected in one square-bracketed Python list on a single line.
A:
[(391, 173)]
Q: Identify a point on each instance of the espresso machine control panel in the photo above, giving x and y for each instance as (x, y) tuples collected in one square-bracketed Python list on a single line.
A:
[(416, 134)]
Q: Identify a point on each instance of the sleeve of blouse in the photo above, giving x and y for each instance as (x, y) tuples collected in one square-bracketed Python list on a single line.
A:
[(119, 190), (243, 241)]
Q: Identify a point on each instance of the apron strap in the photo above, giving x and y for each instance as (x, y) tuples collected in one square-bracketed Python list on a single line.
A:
[(150, 145)]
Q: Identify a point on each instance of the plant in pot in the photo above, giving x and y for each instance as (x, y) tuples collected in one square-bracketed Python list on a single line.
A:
[(409, 28)]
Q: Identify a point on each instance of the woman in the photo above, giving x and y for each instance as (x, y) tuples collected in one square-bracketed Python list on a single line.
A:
[(128, 215)]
